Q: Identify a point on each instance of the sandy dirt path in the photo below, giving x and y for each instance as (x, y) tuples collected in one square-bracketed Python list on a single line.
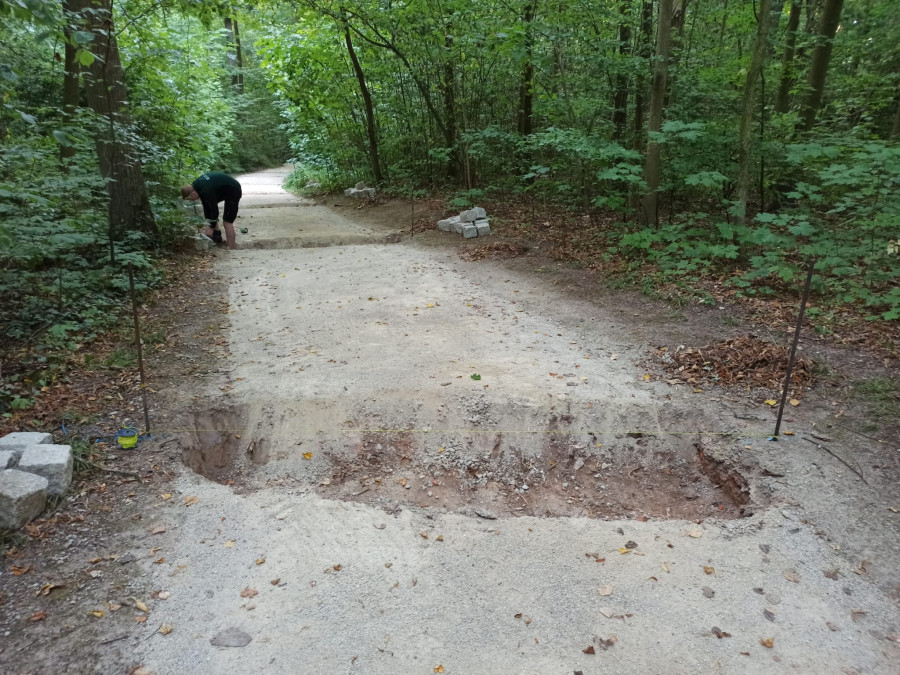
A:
[(367, 506)]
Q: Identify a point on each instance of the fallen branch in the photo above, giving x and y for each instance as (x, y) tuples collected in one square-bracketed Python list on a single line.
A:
[(858, 472), (107, 469)]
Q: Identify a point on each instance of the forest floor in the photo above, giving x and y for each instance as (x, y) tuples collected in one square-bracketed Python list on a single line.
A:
[(383, 452)]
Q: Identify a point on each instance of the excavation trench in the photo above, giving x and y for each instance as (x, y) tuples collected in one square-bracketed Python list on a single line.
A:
[(559, 469)]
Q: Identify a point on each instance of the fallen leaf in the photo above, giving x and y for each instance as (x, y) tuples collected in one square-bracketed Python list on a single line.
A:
[(857, 614), (165, 629), (862, 568), (646, 378), (517, 616), (440, 537), (140, 619), (99, 613), (39, 615), (403, 482), (589, 650), (283, 514), (159, 529), (696, 534), (249, 593), (229, 543), (138, 604), (307, 455), (794, 402), (46, 588), (159, 561), (439, 669), (19, 570), (275, 582), (624, 550), (719, 633), (767, 642), (788, 433), (771, 401), (337, 568), (475, 376), (605, 590), (163, 595), (192, 499), (528, 620), (424, 535), (260, 561), (168, 495), (709, 570), (791, 575), (652, 579), (665, 567), (113, 607), (831, 626)]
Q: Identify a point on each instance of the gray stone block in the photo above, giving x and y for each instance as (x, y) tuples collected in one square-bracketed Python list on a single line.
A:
[(22, 498), (467, 216), (479, 212), (17, 442), (53, 462), (483, 227), (360, 186), (8, 459), (469, 231), (447, 224), (349, 192), (457, 226), (369, 192)]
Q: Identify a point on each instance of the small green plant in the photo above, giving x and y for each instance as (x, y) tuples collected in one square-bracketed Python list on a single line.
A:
[(123, 357), (882, 397)]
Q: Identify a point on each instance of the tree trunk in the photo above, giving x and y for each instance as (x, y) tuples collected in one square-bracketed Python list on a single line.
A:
[(448, 93), (370, 113), (831, 17), (71, 84), (645, 51), (649, 210), (620, 99), (679, 20), (782, 98), (895, 128), (129, 205), (239, 57), (526, 86), (751, 84)]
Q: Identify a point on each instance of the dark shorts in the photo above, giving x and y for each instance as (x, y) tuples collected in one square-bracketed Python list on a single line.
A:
[(231, 205)]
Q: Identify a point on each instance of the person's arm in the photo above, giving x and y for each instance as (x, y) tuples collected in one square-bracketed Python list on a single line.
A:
[(210, 211)]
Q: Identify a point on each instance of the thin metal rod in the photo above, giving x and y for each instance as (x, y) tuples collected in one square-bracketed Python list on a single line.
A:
[(790, 366), (140, 352)]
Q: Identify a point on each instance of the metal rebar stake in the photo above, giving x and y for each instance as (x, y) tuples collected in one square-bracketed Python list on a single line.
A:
[(140, 352), (790, 366)]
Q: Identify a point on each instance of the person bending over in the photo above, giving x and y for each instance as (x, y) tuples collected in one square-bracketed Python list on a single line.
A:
[(211, 188)]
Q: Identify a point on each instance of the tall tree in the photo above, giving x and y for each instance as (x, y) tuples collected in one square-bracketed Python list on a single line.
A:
[(367, 102), (129, 204), (620, 98), (751, 85), (782, 98), (650, 205), (645, 51), (71, 79), (821, 58), (235, 55), (526, 84)]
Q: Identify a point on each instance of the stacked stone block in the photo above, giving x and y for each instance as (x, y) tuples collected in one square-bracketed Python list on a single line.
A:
[(31, 469), (470, 223), (360, 190)]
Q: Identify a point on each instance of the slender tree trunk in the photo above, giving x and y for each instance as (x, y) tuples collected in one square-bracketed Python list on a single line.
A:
[(895, 128), (650, 211), (370, 112), (129, 205), (782, 98), (645, 51), (239, 58), (620, 99), (71, 81), (745, 155), (448, 93), (526, 86), (679, 19), (831, 17)]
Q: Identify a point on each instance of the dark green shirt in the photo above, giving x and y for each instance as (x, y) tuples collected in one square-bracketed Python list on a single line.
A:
[(214, 187)]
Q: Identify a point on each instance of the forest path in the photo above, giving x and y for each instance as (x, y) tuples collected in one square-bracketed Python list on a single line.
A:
[(356, 511)]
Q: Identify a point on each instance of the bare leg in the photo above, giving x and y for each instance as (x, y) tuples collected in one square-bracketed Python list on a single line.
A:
[(229, 235)]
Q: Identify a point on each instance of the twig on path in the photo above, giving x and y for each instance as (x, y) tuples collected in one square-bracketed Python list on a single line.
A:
[(115, 639), (859, 433), (91, 465), (858, 472)]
